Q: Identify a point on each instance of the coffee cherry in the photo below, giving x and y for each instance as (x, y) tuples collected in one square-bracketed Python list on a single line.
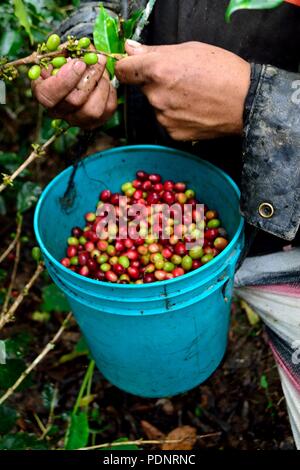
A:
[(168, 266), (180, 249), (149, 278), (58, 62), (82, 258), (168, 197), (90, 58), (154, 178), (73, 241), (178, 272), (213, 223), (99, 275), (84, 43), (55, 72), (160, 275), (211, 215), (168, 185), (74, 261), (53, 42), (220, 243), (72, 251), (118, 269), (176, 259), (124, 261), (141, 175), (146, 185), (180, 187), (103, 258), (211, 233), (133, 272), (187, 263), (125, 278), (206, 258), (110, 276), (105, 267), (34, 72), (102, 245), (55, 124), (190, 194), (36, 253), (105, 195), (167, 253), (65, 262), (196, 264), (196, 252)]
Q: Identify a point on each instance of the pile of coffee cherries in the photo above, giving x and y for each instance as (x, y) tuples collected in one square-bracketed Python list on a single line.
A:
[(145, 258)]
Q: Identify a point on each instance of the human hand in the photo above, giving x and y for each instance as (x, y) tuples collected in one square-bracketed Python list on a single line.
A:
[(198, 91), (83, 96)]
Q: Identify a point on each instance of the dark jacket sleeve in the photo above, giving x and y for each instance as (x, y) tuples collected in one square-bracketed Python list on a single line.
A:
[(271, 159)]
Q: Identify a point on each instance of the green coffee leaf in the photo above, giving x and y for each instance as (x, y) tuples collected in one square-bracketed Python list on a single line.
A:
[(21, 441), (236, 5), (18, 345), (8, 417), (106, 36), (23, 17), (54, 300), (28, 196), (78, 431), (129, 25)]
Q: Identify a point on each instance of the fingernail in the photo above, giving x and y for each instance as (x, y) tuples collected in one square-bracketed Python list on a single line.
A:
[(79, 66), (101, 59), (132, 43)]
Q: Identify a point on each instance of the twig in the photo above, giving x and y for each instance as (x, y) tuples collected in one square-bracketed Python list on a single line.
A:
[(37, 360), (139, 442), (35, 57), (34, 154), (51, 414), (9, 315), (14, 242), (12, 279)]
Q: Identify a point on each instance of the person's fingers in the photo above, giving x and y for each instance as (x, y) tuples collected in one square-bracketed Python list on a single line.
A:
[(111, 105), (86, 84), (136, 69), (91, 113), (134, 48), (51, 91)]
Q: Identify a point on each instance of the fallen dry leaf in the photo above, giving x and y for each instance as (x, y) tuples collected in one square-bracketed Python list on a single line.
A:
[(151, 431), (186, 435)]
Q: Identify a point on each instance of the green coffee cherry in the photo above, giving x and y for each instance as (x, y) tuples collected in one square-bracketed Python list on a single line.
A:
[(124, 261), (90, 58), (213, 223), (54, 72), (84, 43), (206, 258), (58, 62), (187, 263), (53, 42), (55, 124), (34, 72), (36, 254), (196, 252)]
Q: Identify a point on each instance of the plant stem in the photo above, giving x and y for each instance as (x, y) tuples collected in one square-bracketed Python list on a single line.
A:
[(12, 280), (34, 154), (15, 240), (37, 360), (9, 315), (88, 377)]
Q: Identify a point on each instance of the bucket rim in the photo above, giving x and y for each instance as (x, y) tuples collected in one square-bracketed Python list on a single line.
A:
[(129, 148)]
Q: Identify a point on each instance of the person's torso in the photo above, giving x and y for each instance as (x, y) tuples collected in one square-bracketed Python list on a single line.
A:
[(261, 36)]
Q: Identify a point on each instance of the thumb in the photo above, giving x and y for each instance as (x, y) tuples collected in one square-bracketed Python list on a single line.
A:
[(134, 48)]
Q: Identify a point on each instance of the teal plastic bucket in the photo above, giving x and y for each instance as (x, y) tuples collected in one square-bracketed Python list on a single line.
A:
[(157, 339)]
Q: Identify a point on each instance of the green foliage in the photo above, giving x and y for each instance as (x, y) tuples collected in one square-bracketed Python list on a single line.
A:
[(78, 432), (11, 371), (8, 417), (236, 5), (28, 196), (54, 300), (110, 34), (18, 345), (23, 17), (264, 382), (21, 441)]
